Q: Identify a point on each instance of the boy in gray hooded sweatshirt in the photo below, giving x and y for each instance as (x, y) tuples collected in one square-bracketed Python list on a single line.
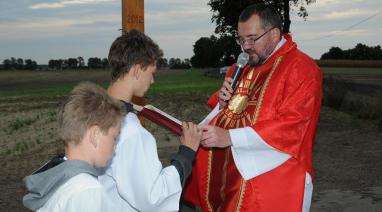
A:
[(89, 124)]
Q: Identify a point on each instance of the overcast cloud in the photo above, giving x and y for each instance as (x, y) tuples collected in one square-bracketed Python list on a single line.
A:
[(53, 29)]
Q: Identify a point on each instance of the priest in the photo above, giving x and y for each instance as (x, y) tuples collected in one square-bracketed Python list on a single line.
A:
[(258, 139)]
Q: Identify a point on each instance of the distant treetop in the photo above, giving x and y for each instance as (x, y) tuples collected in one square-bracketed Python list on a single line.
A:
[(359, 52)]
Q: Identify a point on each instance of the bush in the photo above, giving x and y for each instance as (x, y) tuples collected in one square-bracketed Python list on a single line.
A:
[(334, 91), (379, 124), (212, 72), (343, 95), (362, 106)]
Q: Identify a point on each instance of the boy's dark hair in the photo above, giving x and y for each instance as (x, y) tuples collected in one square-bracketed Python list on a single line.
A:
[(132, 48), (269, 17)]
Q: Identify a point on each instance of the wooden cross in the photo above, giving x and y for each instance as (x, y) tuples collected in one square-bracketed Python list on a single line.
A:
[(133, 18), (133, 15)]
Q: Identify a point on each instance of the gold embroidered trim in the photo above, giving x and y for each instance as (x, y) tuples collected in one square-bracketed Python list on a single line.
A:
[(242, 192), (243, 182), (260, 100), (208, 180), (258, 106)]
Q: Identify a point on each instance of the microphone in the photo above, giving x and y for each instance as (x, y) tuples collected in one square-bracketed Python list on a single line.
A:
[(242, 60)]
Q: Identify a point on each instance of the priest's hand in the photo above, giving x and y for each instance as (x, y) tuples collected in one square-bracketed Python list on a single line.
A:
[(214, 136), (191, 135), (225, 92)]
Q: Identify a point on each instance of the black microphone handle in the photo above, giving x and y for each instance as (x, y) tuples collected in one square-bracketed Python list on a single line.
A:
[(235, 76)]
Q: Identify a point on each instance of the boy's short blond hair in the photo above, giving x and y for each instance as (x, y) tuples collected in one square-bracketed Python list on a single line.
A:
[(87, 105)]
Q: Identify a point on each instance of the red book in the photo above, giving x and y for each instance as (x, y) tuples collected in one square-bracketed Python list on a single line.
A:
[(161, 118)]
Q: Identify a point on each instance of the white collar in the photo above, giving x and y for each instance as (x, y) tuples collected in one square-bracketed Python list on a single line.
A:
[(279, 44)]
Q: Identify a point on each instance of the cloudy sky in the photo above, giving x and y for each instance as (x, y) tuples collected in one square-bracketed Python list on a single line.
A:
[(53, 29)]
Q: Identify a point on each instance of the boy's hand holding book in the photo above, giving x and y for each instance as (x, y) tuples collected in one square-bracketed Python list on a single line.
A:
[(191, 135)]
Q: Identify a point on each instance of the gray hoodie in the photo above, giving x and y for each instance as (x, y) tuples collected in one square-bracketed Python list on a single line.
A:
[(42, 185)]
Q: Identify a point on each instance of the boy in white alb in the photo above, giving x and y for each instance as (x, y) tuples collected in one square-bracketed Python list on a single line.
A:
[(136, 180), (89, 125)]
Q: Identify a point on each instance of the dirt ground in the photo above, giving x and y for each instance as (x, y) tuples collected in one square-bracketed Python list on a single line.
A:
[(347, 154)]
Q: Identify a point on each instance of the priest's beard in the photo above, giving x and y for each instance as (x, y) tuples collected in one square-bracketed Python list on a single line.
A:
[(260, 57)]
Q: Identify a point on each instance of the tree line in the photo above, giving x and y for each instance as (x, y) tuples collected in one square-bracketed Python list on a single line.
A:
[(19, 64), (214, 51), (79, 63), (359, 52), (219, 49), (208, 52)]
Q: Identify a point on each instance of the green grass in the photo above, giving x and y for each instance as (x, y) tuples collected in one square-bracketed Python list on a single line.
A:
[(59, 83), (368, 76), (34, 91), (20, 123), (352, 71), (46, 83)]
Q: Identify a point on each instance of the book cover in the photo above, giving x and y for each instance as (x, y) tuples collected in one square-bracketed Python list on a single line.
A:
[(161, 118)]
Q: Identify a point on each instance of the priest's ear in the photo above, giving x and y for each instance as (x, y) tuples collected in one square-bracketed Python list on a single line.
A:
[(276, 34)]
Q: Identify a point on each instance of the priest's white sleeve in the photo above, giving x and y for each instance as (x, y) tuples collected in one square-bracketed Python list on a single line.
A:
[(252, 155)]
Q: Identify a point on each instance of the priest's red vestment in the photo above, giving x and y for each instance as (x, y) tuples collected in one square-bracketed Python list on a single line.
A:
[(280, 100)]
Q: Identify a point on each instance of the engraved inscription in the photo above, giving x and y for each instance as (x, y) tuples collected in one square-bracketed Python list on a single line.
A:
[(134, 19)]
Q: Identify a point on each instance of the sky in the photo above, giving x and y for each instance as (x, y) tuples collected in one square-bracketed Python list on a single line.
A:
[(58, 29)]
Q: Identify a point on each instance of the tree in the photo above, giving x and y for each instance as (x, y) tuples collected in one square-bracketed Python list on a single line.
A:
[(94, 62), (205, 53), (19, 63), (55, 64), (30, 64), (334, 53), (359, 52), (13, 63), (7, 64), (214, 52), (176, 63), (81, 62), (376, 53), (228, 49), (173, 62), (72, 63), (105, 63), (187, 62), (162, 63), (226, 12)]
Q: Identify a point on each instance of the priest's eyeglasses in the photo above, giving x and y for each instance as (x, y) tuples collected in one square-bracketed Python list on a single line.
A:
[(250, 41)]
